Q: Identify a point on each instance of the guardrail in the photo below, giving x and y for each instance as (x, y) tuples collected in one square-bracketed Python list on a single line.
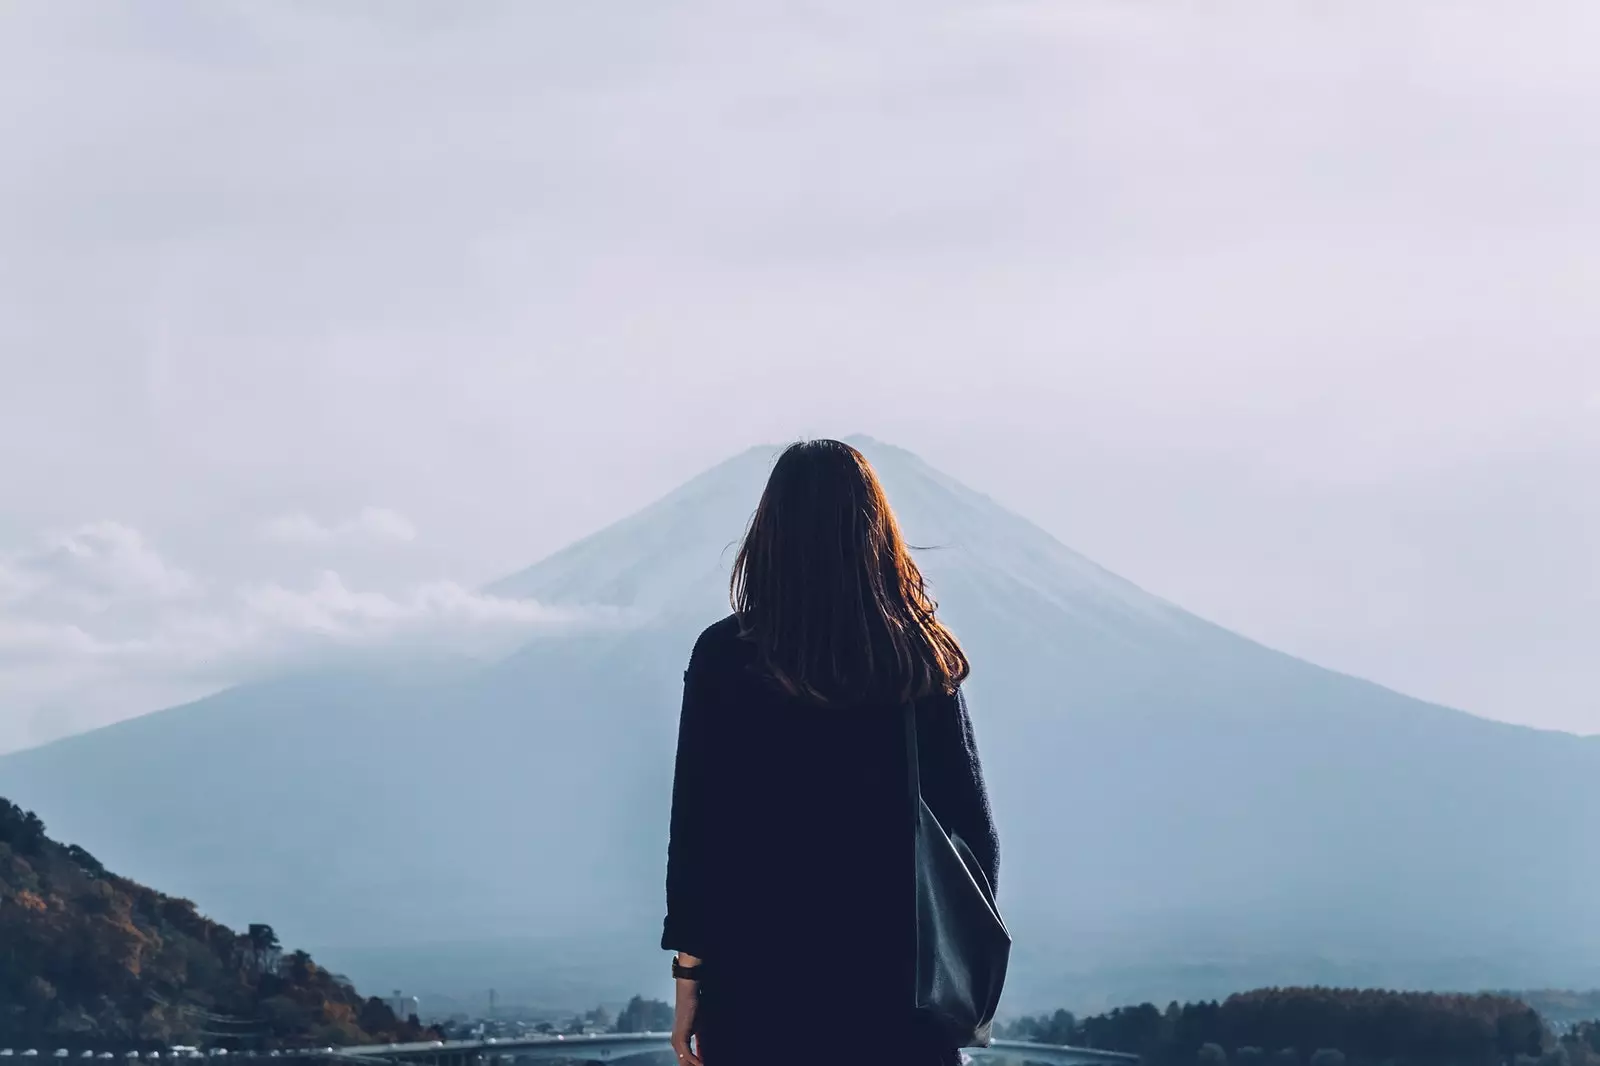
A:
[(603, 1047), (590, 1046)]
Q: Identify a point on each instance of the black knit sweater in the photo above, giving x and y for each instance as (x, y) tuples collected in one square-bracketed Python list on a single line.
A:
[(789, 868)]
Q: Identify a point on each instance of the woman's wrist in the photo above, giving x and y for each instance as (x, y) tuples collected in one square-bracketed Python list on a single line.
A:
[(685, 967)]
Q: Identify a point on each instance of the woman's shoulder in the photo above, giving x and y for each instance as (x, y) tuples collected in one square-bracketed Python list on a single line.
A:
[(723, 629), (718, 643)]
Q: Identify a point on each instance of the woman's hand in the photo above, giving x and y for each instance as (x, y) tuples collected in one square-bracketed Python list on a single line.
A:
[(687, 1002)]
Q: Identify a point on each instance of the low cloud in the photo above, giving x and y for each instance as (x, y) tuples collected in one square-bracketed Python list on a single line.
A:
[(96, 625), (331, 606), (93, 567), (371, 525)]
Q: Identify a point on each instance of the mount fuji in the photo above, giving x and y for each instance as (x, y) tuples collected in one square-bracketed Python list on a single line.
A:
[(1181, 809)]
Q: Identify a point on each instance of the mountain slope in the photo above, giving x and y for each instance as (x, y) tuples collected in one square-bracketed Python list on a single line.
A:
[(94, 961), (1166, 790)]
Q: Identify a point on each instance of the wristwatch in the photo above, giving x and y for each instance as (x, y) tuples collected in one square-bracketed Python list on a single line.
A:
[(687, 973)]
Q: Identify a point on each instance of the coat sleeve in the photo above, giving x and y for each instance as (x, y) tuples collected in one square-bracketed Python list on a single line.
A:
[(684, 928), (955, 789)]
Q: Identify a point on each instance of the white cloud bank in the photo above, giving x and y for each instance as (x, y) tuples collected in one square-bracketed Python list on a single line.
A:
[(331, 607), (96, 625)]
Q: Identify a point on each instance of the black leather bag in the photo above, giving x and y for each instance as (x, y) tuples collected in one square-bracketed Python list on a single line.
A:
[(962, 943)]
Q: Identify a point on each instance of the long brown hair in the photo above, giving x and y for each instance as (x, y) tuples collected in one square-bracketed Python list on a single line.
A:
[(826, 588)]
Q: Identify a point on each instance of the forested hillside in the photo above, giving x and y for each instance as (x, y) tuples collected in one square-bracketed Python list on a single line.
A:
[(1326, 1027), (92, 960)]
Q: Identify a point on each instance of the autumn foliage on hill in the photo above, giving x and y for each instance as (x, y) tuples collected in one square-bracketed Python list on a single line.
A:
[(92, 960)]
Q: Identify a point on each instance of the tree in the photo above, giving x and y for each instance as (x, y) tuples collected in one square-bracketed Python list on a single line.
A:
[(375, 1016), (88, 862), (299, 967), (1212, 1055), (1327, 1057), (1521, 1033), (644, 1016)]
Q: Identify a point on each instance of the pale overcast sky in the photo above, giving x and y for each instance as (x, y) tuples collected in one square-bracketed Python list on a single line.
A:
[(315, 316)]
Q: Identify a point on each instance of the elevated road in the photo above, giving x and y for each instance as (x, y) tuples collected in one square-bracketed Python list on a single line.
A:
[(620, 1047)]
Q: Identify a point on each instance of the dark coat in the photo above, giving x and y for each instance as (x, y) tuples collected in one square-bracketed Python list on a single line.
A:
[(790, 869)]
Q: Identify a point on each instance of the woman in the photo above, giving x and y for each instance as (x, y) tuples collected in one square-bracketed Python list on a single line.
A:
[(789, 872)]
